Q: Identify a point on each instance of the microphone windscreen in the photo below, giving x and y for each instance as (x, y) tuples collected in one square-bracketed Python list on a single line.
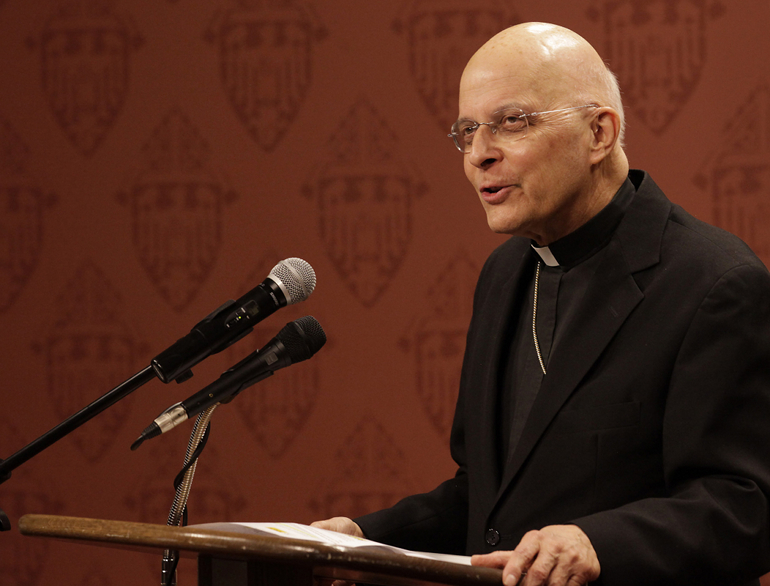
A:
[(316, 337), (302, 338), (296, 279)]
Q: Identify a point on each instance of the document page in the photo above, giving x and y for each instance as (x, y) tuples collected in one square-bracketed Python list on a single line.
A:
[(308, 533)]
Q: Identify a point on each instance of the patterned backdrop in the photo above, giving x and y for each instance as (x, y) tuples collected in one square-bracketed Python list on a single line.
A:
[(158, 157)]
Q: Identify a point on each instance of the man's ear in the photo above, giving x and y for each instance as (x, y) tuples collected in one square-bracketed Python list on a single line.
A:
[(605, 133)]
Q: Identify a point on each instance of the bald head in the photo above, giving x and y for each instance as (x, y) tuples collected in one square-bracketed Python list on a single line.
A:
[(554, 65), (547, 178)]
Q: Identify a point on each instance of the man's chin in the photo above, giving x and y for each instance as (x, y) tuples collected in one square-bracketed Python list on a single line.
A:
[(503, 225)]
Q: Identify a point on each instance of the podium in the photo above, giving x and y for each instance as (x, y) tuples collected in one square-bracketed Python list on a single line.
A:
[(239, 559)]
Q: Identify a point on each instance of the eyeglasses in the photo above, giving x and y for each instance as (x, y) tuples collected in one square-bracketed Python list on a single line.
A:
[(511, 125)]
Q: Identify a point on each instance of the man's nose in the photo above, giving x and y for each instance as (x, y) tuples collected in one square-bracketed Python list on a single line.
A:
[(484, 148)]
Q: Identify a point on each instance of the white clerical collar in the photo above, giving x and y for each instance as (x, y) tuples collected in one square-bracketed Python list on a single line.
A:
[(546, 255)]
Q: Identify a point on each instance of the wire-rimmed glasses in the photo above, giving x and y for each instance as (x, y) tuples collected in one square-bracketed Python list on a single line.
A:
[(512, 124)]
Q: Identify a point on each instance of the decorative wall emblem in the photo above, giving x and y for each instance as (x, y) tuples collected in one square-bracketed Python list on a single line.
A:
[(176, 204), (368, 475), (737, 176), (21, 217), (364, 197), (437, 341), (657, 48), (265, 62), (89, 350), (24, 559), (85, 49), (442, 36), (276, 409)]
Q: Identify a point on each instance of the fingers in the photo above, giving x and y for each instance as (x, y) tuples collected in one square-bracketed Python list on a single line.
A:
[(558, 555), (340, 525), (529, 562), (496, 559), (330, 582)]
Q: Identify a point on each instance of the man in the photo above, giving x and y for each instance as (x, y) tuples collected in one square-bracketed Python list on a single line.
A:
[(613, 422)]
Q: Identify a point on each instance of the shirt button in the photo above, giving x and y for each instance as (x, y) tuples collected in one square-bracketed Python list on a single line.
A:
[(492, 537)]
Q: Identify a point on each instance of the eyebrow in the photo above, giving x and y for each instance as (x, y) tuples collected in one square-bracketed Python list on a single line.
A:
[(502, 108)]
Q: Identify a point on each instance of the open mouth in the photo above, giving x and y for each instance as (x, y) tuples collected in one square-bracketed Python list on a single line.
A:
[(495, 194)]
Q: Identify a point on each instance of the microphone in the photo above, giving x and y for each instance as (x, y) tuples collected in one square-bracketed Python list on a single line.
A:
[(291, 281), (297, 341)]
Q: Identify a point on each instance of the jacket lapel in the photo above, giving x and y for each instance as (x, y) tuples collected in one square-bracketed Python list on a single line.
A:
[(486, 366), (611, 297)]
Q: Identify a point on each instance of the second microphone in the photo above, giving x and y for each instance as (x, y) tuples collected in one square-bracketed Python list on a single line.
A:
[(297, 341)]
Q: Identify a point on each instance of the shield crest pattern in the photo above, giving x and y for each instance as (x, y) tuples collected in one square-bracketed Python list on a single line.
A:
[(657, 48), (24, 559), (368, 474), (265, 63), (22, 204), (364, 197), (88, 351), (737, 176), (176, 205), (437, 341), (85, 51), (442, 35), (276, 409)]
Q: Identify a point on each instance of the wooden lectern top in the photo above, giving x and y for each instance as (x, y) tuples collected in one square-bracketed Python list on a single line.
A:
[(362, 564)]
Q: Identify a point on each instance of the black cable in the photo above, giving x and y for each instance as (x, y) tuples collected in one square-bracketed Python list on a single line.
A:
[(177, 482), (180, 477)]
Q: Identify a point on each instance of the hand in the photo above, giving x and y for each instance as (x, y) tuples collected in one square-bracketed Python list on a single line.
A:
[(340, 525), (557, 555)]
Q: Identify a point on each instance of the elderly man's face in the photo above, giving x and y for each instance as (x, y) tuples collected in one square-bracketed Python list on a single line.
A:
[(535, 186)]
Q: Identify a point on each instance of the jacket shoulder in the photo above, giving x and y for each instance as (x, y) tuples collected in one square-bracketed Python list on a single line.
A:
[(659, 232), (694, 238)]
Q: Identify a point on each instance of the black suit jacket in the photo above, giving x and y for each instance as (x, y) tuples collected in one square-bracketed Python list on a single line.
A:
[(651, 430)]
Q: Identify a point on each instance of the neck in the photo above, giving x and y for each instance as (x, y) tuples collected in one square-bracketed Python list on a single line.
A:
[(605, 181)]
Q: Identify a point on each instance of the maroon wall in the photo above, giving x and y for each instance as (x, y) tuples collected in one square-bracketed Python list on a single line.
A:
[(158, 157)]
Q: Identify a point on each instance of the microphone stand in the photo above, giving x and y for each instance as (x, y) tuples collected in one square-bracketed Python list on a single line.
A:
[(221, 328), (69, 425)]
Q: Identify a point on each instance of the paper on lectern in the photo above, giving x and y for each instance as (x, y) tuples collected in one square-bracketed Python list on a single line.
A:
[(308, 533)]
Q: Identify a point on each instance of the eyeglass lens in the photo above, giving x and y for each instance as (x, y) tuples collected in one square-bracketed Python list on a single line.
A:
[(511, 124)]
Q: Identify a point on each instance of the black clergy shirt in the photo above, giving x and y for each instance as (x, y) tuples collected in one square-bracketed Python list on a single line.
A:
[(576, 258)]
